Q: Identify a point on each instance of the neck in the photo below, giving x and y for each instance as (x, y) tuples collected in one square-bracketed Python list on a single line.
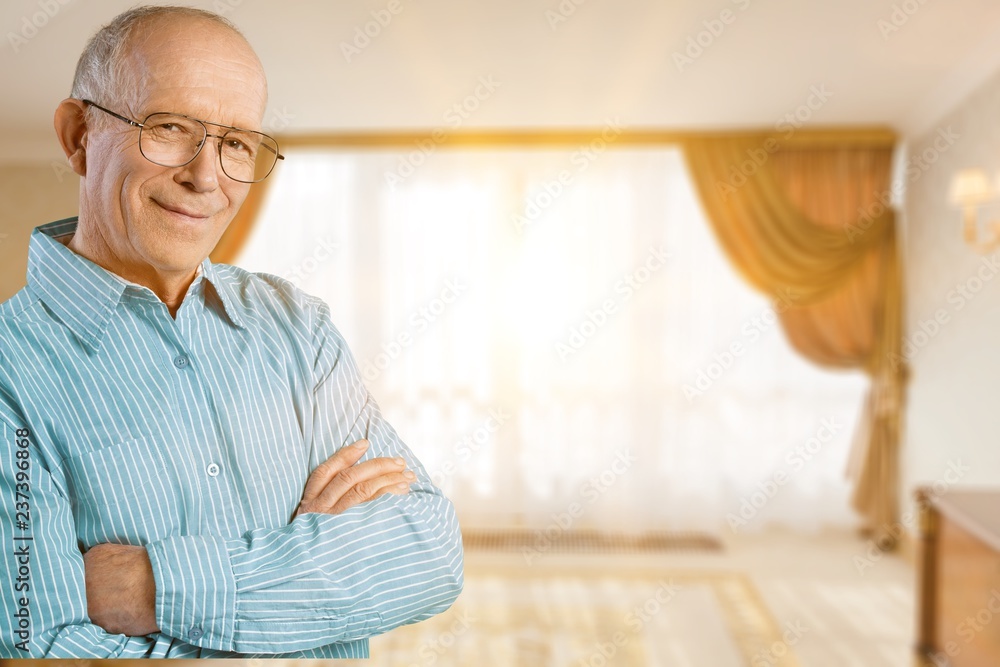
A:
[(170, 287)]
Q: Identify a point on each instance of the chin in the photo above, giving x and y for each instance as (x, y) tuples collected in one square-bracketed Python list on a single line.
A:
[(174, 260)]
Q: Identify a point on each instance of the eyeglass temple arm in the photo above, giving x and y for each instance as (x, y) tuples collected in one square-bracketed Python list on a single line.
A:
[(118, 116), (276, 153)]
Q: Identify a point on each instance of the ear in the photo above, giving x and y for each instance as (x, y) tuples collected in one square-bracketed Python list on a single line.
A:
[(71, 128)]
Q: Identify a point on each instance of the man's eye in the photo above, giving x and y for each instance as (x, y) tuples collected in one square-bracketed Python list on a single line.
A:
[(239, 148), (170, 130)]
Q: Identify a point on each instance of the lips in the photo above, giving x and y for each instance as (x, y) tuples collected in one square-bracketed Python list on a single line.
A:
[(182, 210)]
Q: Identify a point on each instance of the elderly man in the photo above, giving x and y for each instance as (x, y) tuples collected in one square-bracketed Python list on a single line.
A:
[(191, 464)]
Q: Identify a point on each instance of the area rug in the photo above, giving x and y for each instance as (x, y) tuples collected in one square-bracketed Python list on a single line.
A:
[(631, 619), (584, 541)]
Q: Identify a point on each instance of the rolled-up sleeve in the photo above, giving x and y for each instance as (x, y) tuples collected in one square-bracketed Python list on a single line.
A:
[(43, 591)]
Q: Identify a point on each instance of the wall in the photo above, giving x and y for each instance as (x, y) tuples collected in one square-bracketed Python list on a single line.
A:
[(30, 195), (953, 319)]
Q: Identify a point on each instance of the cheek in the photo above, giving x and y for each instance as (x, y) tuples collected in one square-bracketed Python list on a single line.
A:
[(136, 200), (237, 193), (137, 182), (110, 192)]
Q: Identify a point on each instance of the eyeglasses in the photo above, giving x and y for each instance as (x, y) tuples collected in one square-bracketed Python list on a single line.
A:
[(174, 140)]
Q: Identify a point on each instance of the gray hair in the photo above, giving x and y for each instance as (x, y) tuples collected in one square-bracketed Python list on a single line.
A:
[(102, 73)]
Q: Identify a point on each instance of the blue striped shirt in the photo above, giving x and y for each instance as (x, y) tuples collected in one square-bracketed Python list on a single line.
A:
[(194, 437)]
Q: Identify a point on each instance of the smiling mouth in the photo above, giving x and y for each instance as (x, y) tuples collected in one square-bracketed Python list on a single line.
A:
[(177, 210)]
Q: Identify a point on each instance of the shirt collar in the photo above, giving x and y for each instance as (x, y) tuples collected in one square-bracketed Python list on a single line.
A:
[(225, 289), (84, 295)]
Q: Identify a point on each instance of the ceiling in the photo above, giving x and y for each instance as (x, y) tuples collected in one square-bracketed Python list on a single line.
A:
[(552, 63)]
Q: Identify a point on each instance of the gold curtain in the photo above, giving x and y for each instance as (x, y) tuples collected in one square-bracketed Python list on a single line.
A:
[(236, 234), (810, 227)]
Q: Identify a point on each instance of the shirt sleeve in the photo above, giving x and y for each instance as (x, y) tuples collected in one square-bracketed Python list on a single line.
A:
[(42, 586), (322, 578)]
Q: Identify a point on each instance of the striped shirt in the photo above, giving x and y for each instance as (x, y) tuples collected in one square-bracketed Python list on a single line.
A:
[(194, 437)]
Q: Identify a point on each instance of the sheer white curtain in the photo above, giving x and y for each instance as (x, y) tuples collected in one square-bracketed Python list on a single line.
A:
[(512, 313)]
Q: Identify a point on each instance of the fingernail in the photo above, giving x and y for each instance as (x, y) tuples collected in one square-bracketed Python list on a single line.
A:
[(400, 462), (403, 487), (361, 444), (409, 475)]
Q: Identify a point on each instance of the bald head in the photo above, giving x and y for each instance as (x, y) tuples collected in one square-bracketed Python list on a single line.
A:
[(109, 67)]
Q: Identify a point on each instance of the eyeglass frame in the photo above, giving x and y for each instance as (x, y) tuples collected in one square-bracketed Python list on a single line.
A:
[(204, 124)]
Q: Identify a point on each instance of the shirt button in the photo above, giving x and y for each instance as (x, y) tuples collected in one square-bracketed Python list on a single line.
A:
[(213, 469), (181, 361), (195, 633)]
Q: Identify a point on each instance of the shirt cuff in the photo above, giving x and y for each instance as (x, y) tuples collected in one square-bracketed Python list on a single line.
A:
[(195, 590)]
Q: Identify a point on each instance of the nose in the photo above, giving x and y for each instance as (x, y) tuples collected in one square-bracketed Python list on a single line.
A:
[(202, 173)]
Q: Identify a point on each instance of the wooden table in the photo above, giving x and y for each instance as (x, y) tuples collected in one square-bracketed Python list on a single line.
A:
[(959, 577)]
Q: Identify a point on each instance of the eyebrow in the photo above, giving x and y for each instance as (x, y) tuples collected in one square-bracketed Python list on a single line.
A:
[(207, 122)]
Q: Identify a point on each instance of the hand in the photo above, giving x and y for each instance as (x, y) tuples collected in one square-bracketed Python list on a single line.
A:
[(338, 484), (121, 591)]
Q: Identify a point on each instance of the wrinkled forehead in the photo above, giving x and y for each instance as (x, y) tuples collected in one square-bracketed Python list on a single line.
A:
[(198, 68)]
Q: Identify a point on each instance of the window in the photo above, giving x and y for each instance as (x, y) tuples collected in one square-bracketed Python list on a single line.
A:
[(547, 327)]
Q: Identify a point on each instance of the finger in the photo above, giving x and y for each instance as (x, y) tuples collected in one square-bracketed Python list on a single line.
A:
[(397, 483), (361, 474), (342, 459), (342, 482), (345, 480)]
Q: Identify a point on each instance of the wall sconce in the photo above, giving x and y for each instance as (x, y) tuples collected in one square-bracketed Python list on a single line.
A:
[(971, 190)]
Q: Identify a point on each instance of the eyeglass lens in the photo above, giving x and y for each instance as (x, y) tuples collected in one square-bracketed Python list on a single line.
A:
[(171, 141)]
